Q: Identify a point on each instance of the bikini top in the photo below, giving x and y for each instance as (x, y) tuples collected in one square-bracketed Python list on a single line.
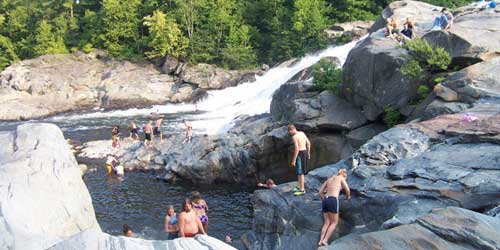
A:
[(173, 220), (199, 207)]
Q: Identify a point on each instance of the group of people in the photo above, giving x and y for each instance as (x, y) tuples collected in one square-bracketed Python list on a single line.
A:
[(192, 220), (150, 133)]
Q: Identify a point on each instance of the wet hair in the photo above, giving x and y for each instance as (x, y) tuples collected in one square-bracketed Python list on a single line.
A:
[(270, 182), (343, 172), (195, 196), (184, 203), (126, 228), (291, 127)]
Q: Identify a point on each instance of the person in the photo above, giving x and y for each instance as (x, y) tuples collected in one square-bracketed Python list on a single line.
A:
[(450, 18), (157, 129), (115, 136), (119, 170), (188, 221), (110, 162), (201, 208), (170, 224), (189, 132), (407, 31), (148, 133), (229, 238), (134, 132), (391, 27), (330, 203), (301, 155), (127, 230), (269, 184), (443, 21)]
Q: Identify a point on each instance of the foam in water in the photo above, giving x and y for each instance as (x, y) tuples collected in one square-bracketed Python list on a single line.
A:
[(221, 107)]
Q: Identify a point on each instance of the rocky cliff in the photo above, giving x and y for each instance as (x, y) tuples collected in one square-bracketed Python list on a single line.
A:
[(44, 203), (54, 84)]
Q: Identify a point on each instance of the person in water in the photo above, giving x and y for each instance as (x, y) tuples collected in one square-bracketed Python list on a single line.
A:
[(330, 203), (269, 184), (119, 171), (170, 225), (134, 132), (115, 136), (301, 155), (157, 129), (189, 222), (201, 208), (110, 164), (189, 132), (127, 230), (148, 134)]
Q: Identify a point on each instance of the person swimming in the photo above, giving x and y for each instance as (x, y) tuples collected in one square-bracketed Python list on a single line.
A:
[(269, 184), (200, 206), (171, 223), (127, 230)]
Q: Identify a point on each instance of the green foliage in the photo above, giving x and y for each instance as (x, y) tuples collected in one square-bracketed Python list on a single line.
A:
[(411, 68), (422, 92), (439, 59), (424, 58), (87, 48), (165, 37), (326, 76), (7, 52), (391, 117), (439, 79), (238, 52), (47, 41)]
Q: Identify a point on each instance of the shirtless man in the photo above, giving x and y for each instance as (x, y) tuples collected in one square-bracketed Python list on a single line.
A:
[(148, 134), (189, 222), (189, 132), (330, 204), (301, 155), (157, 129)]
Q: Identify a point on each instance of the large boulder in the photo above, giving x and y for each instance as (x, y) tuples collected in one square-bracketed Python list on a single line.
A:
[(208, 76), (350, 30), (372, 79), (449, 228), (43, 198), (473, 37)]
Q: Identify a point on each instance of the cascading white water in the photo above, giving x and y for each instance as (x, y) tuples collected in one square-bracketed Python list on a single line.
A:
[(221, 107)]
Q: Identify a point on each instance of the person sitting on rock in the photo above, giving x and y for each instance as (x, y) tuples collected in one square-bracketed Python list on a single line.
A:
[(134, 132), (443, 21), (189, 222), (269, 184), (391, 27), (189, 132), (157, 129), (171, 225), (127, 230), (407, 31), (330, 203), (148, 134), (301, 155), (115, 136), (200, 206)]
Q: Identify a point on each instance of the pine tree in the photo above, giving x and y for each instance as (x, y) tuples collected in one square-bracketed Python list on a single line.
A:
[(46, 41), (165, 37)]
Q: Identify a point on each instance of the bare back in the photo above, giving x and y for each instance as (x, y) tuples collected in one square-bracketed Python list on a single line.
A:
[(334, 185), (148, 129), (301, 139)]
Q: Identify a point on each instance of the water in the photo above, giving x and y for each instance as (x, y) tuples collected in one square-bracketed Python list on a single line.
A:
[(141, 201)]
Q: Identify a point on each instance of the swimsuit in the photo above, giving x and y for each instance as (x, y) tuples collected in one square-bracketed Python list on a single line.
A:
[(109, 168), (156, 131), (148, 136), (203, 218), (301, 162), (191, 235), (173, 221), (134, 131), (330, 205)]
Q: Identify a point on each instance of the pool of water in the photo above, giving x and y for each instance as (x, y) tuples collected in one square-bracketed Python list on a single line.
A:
[(140, 200)]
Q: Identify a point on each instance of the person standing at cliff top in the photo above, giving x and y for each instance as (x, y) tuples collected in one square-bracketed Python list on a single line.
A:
[(157, 129), (330, 203), (189, 132), (148, 131), (301, 155), (189, 223)]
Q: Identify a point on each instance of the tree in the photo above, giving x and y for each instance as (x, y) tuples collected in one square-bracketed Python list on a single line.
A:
[(165, 37), (7, 52), (309, 21), (238, 52), (46, 42)]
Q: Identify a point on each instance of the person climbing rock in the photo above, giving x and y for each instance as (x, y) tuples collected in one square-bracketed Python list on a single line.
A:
[(330, 203), (301, 155), (269, 184)]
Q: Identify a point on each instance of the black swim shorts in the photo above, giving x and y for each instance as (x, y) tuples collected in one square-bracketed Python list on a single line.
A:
[(330, 205), (301, 163)]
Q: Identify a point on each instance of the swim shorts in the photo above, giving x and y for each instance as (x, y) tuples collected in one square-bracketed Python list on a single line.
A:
[(330, 205), (147, 136), (301, 163)]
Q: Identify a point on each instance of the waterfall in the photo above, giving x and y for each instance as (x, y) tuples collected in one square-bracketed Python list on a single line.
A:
[(219, 109)]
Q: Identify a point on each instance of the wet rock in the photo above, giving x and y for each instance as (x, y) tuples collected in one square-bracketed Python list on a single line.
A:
[(359, 136), (495, 212), (449, 228)]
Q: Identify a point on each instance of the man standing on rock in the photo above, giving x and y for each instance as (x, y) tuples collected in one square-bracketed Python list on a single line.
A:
[(330, 204), (148, 130), (301, 154), (189, 222)]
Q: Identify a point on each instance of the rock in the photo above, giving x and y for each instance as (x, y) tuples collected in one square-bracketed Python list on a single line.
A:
[(83, 169), (184, 92), (472, 37), (43, 197), (372, 80), (438, 107), (422, 14), (359, 136), (93, 239), (207, 76), (495, 212), (170, 65), (353, 30), (445, 93), (449, 228)]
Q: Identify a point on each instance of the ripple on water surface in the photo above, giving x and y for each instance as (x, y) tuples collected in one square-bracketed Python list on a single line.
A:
[(141, 201)]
